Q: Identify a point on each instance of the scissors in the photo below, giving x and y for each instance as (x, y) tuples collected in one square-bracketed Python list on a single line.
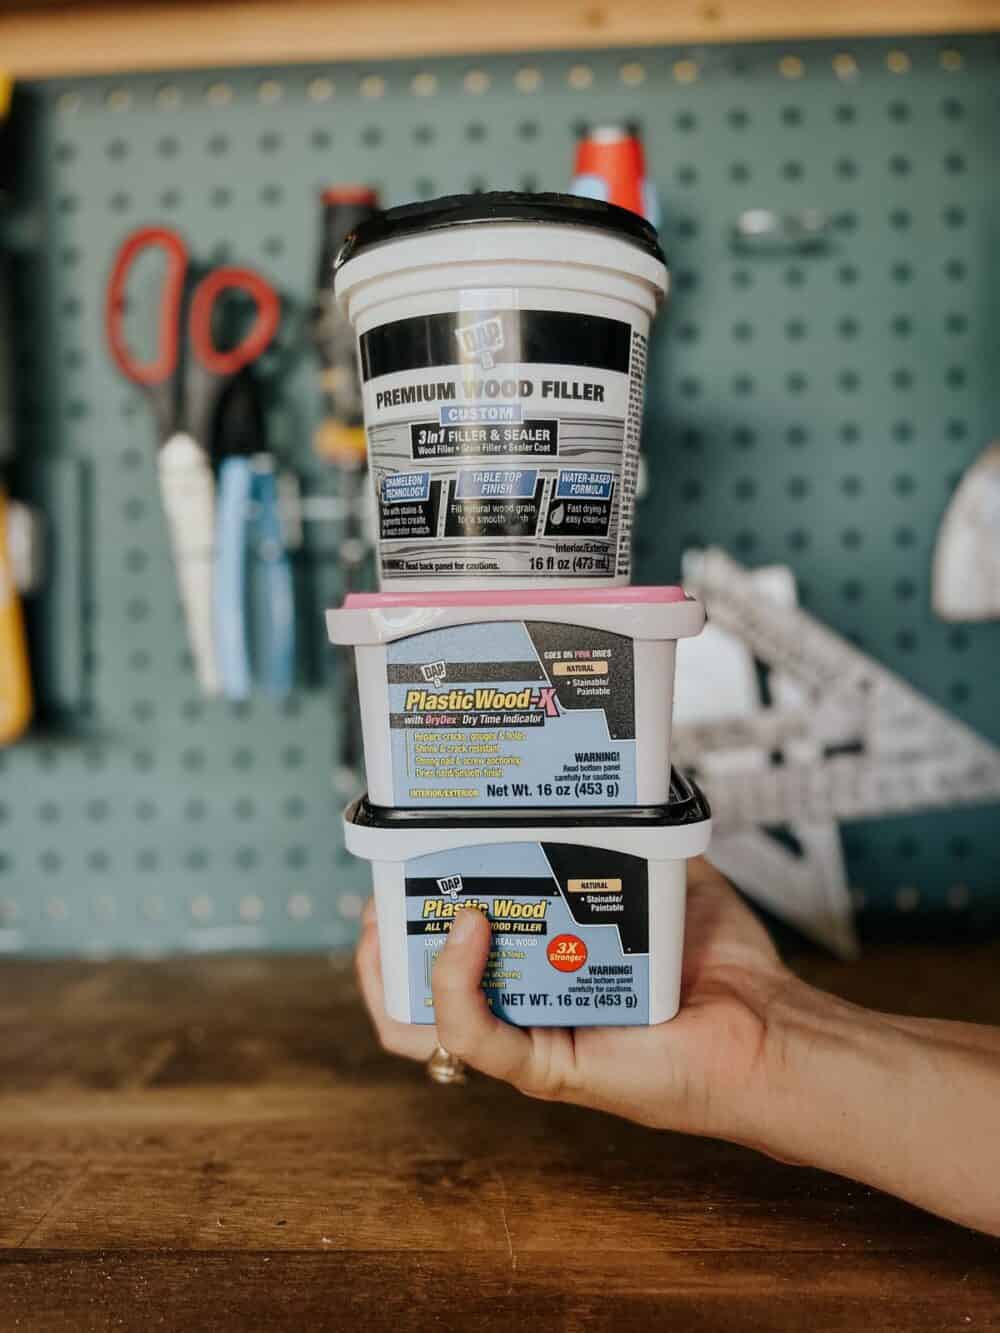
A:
[(185, 381)]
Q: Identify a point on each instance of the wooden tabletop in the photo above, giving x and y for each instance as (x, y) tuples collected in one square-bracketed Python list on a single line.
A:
[(214, 1144)]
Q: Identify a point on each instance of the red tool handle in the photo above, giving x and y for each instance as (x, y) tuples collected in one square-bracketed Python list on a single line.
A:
[(257, 340), (164, 364)]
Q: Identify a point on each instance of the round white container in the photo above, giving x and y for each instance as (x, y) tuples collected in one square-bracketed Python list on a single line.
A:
[(502, 343), (585, 908), (517, 699)]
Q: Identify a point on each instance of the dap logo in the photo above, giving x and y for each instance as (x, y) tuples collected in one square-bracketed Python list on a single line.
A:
[(450, 886), (481, 341), (434, 672)]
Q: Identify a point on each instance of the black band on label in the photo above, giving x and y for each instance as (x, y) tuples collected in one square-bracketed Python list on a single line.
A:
[(554, 337)]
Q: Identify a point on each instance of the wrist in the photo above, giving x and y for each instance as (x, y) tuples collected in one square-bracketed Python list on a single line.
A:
[(828, 1082)]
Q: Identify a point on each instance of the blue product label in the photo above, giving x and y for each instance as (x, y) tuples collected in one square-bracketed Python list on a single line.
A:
[(512, 713), (504, 483), (570, 930), (406, 487), (584, 484)]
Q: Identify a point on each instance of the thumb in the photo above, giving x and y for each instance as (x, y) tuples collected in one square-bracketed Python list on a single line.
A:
[(466, 1026)]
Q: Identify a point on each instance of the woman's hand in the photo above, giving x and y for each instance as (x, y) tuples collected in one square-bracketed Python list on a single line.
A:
[(909, 1105), (703, 1072)]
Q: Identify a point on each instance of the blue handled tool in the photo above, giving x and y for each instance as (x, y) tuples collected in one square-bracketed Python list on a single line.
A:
[(253, 597)]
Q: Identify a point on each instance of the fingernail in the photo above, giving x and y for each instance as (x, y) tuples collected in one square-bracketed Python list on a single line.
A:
[(464, 924)]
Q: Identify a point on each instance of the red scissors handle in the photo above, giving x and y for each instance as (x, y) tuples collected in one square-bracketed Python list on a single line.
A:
[(164, 364), (256, 341)]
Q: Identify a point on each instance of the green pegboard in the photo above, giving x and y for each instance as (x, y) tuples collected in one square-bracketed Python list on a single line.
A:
[(815, 410)]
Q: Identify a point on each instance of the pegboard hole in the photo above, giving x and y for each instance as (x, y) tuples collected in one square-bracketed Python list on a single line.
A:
[(845, 113), (269, 91), (897, 62), (202, 908), (791, 67), (632, 73), (424, 85), (218, 145), (69, 103), (320, 140), (797, 436), (251, 908), (168, 97), (320, 89), (958, 897), (899, 112), (475, 131), (219, 94), (300, 907), (845, 66), (269, 142), (954, 164), (950, 60), (476, 82), (528, 79), (738, 119), (350, 906), (685, 71), (580, 76), (956, 430), (792, 116)]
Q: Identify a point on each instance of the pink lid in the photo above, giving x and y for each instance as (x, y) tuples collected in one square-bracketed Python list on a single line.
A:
[(374, 601)]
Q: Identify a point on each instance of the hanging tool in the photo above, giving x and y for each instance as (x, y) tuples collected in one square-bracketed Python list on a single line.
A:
[(611, 165), (185, 381), (16, 701), (858, 742), (252, 569), (340, 437), (965, 583)]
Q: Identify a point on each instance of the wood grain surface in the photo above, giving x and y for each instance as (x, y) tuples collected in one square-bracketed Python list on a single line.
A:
[(39, 39), (219, 1144)]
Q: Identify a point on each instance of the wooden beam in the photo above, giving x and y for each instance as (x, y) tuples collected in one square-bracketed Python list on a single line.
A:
[(39, 39)]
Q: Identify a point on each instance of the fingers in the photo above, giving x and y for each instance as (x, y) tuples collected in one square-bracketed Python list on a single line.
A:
[(467, 1027), (720, 927), (408, 1039)]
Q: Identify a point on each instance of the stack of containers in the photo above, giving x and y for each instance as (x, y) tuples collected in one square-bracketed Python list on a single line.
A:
[(516, 693)]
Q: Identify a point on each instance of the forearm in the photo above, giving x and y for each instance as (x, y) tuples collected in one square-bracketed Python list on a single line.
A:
[(909, 1106)]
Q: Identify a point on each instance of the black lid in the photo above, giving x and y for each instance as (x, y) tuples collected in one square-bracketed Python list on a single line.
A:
[(687, 805), (459, 210)]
